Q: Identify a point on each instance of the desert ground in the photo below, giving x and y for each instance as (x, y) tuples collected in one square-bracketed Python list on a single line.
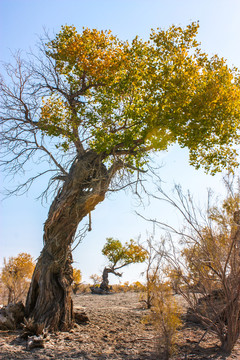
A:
[(116, 330)]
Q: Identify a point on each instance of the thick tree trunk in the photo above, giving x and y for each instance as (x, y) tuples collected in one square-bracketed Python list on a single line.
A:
[(49, 297), (232, 332), (104, 284)]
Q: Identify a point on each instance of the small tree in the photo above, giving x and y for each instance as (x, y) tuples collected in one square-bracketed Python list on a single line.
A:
[(16, 275), (119, 256), (165, 316), (96, 279), (77, 278), (159, 297), (207, 268)]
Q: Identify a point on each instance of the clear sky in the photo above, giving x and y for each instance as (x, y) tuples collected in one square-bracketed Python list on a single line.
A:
[(21, 22)]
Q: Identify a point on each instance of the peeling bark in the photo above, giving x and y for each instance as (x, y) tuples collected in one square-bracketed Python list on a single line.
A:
[(49, 297)]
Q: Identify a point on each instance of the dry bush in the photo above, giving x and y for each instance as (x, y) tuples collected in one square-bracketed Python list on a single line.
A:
[(118, 288), (166, 318), (16, 275), (137, 286), (153, 261), (3, 293), (125, 287), (84, 288), (96, 279), (31, 328), (206, 270), (77, 277)]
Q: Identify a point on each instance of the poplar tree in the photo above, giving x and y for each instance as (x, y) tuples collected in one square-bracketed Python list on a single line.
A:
[(93, 109)]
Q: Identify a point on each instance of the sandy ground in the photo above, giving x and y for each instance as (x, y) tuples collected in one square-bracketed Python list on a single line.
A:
[(115, 331)]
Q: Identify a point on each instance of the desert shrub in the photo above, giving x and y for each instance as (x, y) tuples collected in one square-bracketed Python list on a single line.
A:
[(206, 269), (117, 288), (31, 328), (166, 318), (84, 288), (77, 277), (126, 286), (153, 260), (3, 293), (137, 286), (16, 275), (96, 279)]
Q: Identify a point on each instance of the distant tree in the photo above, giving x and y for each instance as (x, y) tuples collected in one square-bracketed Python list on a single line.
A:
[(77, 278), (16, 275), (92, 109), (119, 256), (96, 279)]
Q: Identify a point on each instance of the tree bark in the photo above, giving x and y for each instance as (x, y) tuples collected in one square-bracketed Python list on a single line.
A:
[(104, 284), (10, 295), (49, 296)]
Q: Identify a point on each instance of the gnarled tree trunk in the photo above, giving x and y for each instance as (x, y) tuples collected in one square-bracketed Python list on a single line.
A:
[(49, 297), (104, 284)]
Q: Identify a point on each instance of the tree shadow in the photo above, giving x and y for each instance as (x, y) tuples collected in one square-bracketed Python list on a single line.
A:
[(193, 351)]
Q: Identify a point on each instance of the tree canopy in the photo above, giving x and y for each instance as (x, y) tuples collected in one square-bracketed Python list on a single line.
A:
[(120, 255), (90, 90), (145, 95)]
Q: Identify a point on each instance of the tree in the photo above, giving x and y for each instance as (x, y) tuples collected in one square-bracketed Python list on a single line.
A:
[(77, 277), (92, 109), (96, 279), (207, 265), (119, 256), (16, 275)]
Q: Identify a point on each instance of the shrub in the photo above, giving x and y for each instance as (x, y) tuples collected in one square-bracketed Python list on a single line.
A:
[(206, 270), (165, 315), (77, 277), (96, 279), (16, 275)]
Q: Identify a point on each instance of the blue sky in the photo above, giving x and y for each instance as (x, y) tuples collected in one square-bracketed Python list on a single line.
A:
[(21, 22)]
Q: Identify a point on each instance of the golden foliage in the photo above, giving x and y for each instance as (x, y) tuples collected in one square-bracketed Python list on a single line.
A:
[(143, 96), (16, 275), (77, 278), (120, 255), (165, 315)]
